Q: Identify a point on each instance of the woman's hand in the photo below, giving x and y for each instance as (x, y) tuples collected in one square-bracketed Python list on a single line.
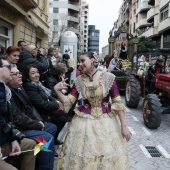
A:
[(61, 85), (126, 133)]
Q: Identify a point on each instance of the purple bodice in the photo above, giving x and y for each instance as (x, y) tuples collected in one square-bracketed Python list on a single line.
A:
[(96, 105)]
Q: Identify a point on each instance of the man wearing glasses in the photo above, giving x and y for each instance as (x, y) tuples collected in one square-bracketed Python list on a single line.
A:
[(29, 120), (8, 143)]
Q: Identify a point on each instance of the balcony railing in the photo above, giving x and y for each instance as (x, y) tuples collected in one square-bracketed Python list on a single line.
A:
[(28, 4), (143, 7), (163, 3), (150, 32), (152, 12), (73, 19), (142, 23), (164, 25), (73, 6)]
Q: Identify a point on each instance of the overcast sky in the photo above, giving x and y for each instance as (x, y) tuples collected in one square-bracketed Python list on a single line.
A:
[(103, 13)]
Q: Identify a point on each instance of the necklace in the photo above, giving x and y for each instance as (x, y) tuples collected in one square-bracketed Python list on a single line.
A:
[(91, 77)]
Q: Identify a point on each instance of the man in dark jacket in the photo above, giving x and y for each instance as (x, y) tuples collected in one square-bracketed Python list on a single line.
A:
[(153, 70), (66, 57), (8, 142), (22, 45), (28, 56), (29, 121)]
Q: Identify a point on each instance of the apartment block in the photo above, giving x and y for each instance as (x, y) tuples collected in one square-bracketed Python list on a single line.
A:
[(93, 39), (24, 20), (148, 18), (64, 16), (158, 16), (142, 9), (84, 26)]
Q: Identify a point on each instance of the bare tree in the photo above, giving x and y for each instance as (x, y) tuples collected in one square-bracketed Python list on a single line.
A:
[(63, 25)]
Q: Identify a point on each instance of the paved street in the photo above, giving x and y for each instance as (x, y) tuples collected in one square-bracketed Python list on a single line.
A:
[(140, 159)]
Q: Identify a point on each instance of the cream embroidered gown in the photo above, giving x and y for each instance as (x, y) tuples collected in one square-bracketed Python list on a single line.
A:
[(94, 140)]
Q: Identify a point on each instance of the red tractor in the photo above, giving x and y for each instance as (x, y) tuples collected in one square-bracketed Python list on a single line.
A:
[(155, 103)]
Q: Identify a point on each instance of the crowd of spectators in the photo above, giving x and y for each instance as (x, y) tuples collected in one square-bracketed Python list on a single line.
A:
[(29, 104)]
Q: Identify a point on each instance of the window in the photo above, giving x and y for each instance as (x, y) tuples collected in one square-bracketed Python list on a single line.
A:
[(38, 42), (134, 27), (164, 13), (136, 18), (55, 10), (134, 11), (166, 41), (55, 22), (6, 34)]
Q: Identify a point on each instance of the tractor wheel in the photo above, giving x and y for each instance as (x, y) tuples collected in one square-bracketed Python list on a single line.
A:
[(152, 111), (133, 92)]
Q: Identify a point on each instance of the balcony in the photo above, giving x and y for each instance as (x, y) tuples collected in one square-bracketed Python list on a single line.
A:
[(74, 1), (28, 4), (151, 2), (75, 30), (85, 43), (128, 7), (151, 13), (85, 20), (73, 19), (126, 19), (73, 6), (164, 25), (142, 23), (151, 32), (144, 7), (163, 3)]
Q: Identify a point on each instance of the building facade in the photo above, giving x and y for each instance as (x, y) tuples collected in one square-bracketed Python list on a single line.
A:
[(93, 39), (64, 16), (123, 26), (148, 18), (105, 51), (24, 20), (84, 20), (158, 18)]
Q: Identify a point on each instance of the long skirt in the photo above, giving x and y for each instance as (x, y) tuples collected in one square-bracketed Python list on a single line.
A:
[(94, 144), (123, 55)]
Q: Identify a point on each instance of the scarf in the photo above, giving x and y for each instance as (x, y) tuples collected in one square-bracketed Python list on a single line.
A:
[(46, 90), (7, 92)]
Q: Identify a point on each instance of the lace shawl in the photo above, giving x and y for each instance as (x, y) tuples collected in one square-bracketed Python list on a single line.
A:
[(107, 82)]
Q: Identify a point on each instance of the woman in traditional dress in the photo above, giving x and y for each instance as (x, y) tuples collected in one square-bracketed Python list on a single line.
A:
[(96, 139)]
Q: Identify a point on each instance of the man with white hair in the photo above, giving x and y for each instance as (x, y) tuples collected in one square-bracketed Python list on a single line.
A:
[(28, 56)]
